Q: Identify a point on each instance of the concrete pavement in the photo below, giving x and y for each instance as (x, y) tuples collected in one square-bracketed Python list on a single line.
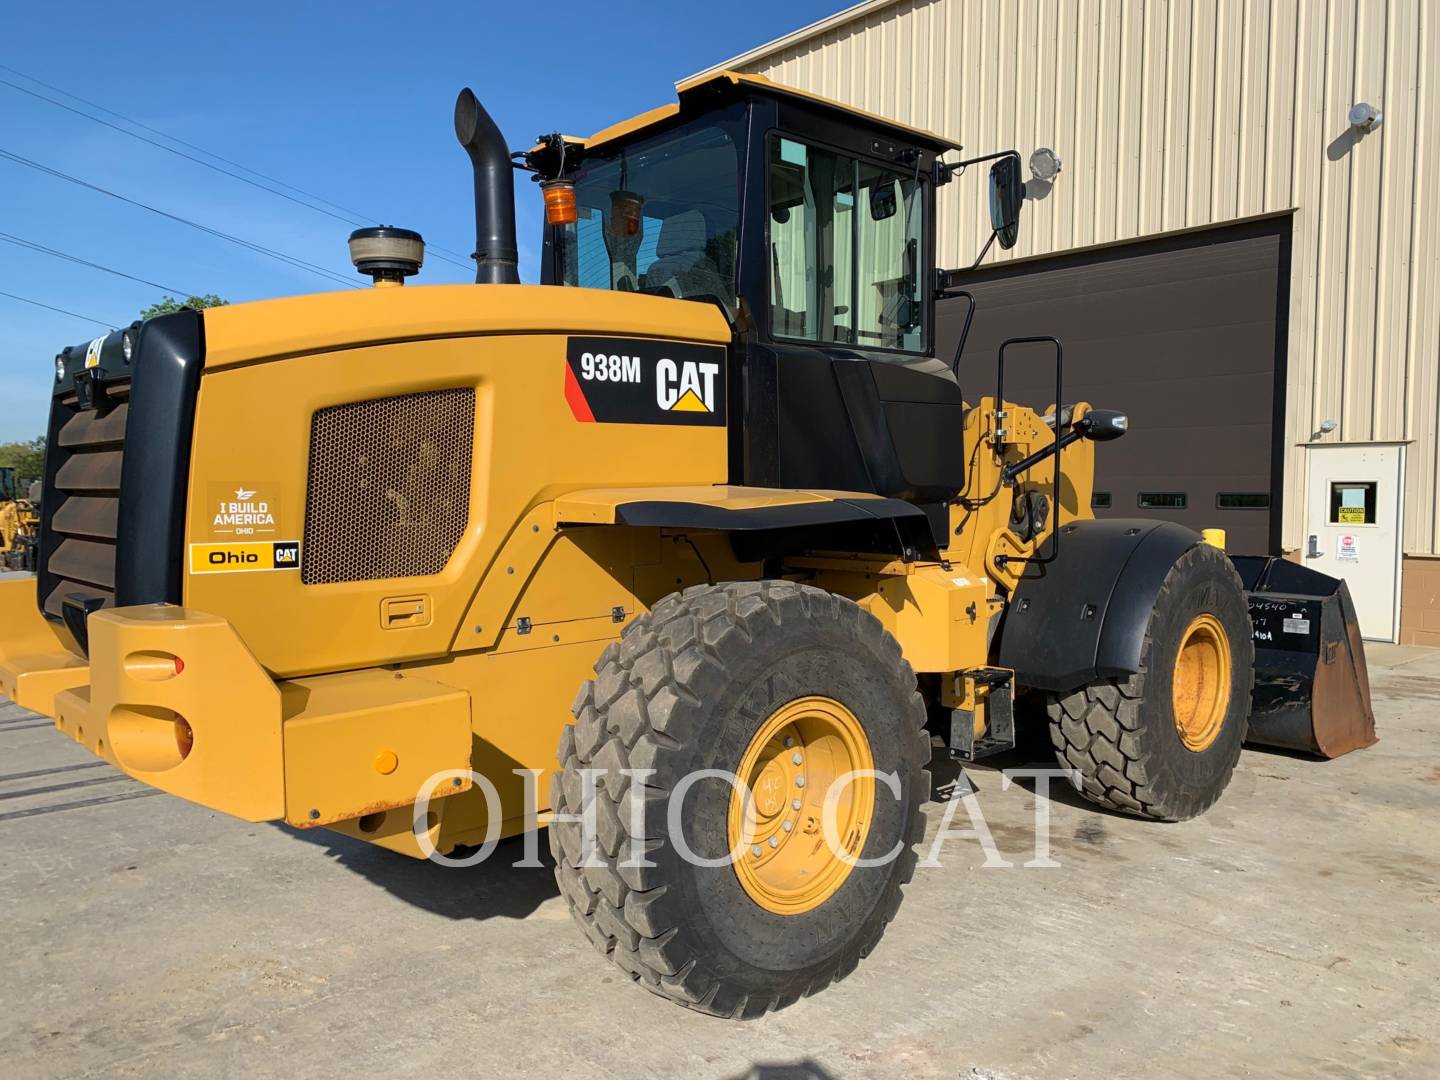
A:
[(1292, 931)]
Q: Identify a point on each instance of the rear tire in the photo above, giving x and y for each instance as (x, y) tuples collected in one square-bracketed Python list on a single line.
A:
[(696, 684), (1122, 735)]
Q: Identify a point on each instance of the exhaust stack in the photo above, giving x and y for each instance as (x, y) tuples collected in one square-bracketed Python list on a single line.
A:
[(496, 255)]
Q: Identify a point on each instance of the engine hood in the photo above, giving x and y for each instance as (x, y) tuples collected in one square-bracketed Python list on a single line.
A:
[(321, 322)]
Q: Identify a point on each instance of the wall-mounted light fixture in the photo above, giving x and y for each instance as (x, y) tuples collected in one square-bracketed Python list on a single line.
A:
[(1044, 164), (1365, 117), (1327, 426)]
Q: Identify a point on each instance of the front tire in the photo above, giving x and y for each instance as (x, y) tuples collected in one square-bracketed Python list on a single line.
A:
[(786, 683), (1163, 743)]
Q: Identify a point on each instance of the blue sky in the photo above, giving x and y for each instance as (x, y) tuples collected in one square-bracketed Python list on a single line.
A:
[(349, 101)]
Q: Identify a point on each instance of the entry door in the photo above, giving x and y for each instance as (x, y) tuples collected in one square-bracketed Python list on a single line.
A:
[(1353, 528)]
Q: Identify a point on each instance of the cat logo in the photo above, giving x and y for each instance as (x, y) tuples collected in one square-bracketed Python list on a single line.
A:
[(685, 387), (645, 381)]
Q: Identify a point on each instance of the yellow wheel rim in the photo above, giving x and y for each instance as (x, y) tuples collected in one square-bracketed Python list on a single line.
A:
[(776, 822), (1201, 686)]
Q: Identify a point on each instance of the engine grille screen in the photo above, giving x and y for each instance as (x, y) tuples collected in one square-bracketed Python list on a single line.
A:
[(389, 488)]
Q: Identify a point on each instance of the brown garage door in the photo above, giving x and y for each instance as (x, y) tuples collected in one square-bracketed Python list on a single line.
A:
[(1186, 334)]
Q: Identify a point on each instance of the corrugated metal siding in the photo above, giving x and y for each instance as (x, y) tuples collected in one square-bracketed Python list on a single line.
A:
[(1171, 114)]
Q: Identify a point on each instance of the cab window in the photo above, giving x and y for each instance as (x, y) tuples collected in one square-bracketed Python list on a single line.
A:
[(844, 249), (659, 216)]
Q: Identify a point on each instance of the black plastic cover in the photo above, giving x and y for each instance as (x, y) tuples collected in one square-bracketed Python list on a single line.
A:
[(1083, 616), (156, 471)]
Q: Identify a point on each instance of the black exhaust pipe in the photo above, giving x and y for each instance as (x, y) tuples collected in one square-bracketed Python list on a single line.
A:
[(497, 258)]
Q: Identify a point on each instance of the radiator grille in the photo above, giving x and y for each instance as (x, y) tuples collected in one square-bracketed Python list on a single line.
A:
[(389, 488), (83, 504)]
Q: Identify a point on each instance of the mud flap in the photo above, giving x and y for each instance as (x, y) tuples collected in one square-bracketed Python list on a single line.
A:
[(1312, 689)]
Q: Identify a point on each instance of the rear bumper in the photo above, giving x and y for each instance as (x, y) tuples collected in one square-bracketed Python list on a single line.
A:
[(217, 730), (36, 663)]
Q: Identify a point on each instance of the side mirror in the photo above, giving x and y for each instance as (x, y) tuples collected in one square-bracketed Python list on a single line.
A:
[(1007, 195), (1102, 425), (882, 201)]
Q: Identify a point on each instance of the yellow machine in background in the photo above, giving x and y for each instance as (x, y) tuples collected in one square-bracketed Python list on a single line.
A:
[(414, 564), (19, 523)]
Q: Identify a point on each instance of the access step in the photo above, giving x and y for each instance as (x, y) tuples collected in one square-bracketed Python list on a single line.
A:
[(982, 719)]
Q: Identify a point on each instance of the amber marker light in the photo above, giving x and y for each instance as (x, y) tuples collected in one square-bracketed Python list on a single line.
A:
[(184, 737), (559, 202)]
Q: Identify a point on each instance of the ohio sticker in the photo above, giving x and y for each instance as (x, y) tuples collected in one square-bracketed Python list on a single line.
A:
[(244, 558), (639, 381)]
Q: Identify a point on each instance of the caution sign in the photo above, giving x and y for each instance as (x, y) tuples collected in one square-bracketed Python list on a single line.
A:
[(245, 558), (1352, 515), (637, 381)]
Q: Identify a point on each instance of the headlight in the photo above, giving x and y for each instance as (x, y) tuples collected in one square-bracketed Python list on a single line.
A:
[(59, 369), (127, 344)]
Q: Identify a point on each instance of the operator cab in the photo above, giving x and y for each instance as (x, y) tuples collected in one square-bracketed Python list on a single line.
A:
[(812, 226)]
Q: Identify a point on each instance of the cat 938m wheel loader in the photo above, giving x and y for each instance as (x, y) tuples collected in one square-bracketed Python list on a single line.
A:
[(680, 550)]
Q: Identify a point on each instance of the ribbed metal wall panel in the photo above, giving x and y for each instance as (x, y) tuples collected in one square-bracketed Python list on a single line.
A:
[(1172, 114)]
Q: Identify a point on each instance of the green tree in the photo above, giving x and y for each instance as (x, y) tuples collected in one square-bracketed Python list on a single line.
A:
[(169, 304), (26, 458)]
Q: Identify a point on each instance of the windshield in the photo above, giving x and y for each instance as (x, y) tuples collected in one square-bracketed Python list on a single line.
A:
[(660, 215)]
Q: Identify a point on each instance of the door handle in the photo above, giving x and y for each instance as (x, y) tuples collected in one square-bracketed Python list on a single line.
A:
[(1313, 551)]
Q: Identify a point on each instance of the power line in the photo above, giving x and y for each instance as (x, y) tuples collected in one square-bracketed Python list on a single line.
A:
[(181, 153), (292, 260), (200, 149), (61, 310), (20, 241)]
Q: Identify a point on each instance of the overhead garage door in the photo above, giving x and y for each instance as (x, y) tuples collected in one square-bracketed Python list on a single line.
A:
[(1186, 334)]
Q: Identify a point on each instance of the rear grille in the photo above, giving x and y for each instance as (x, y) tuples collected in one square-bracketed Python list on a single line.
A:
[(389, 487), (117, 466), (83, 505)]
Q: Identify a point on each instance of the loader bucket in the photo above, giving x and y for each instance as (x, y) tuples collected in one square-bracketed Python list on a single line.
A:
[(1312, 690)]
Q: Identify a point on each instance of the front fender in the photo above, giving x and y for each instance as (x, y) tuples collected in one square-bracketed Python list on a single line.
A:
[(1083, 617)]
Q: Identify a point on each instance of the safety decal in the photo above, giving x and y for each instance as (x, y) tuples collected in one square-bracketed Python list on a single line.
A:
[(637, 381), (244, 558)]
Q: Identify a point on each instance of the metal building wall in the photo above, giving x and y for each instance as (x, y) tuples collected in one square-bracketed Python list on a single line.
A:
[(1171, 114)]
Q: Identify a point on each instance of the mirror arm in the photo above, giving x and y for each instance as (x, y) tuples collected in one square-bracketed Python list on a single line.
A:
[(953, 168), (1014, 471), (985, 250)]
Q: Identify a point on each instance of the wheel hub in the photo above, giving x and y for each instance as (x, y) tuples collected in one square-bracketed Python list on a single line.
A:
[(805, 748), (1202, 680)]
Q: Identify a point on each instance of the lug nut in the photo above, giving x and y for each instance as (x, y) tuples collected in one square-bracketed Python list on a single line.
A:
[(789, 741), (787, 826), (796, 759), (774, 841), (799, 781), (795, 804), (757, 851)]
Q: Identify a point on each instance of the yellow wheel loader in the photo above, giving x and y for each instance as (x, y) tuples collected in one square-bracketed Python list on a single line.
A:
[(18, 524), (676, 552)]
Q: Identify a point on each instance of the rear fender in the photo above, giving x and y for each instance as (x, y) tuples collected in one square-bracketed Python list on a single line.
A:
[(1083, 617)]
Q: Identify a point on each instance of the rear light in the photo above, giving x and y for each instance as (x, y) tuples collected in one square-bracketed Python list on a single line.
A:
[(184, 737)]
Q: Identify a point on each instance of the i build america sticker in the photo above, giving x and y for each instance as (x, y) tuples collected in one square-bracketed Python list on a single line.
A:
[(242, 522)]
